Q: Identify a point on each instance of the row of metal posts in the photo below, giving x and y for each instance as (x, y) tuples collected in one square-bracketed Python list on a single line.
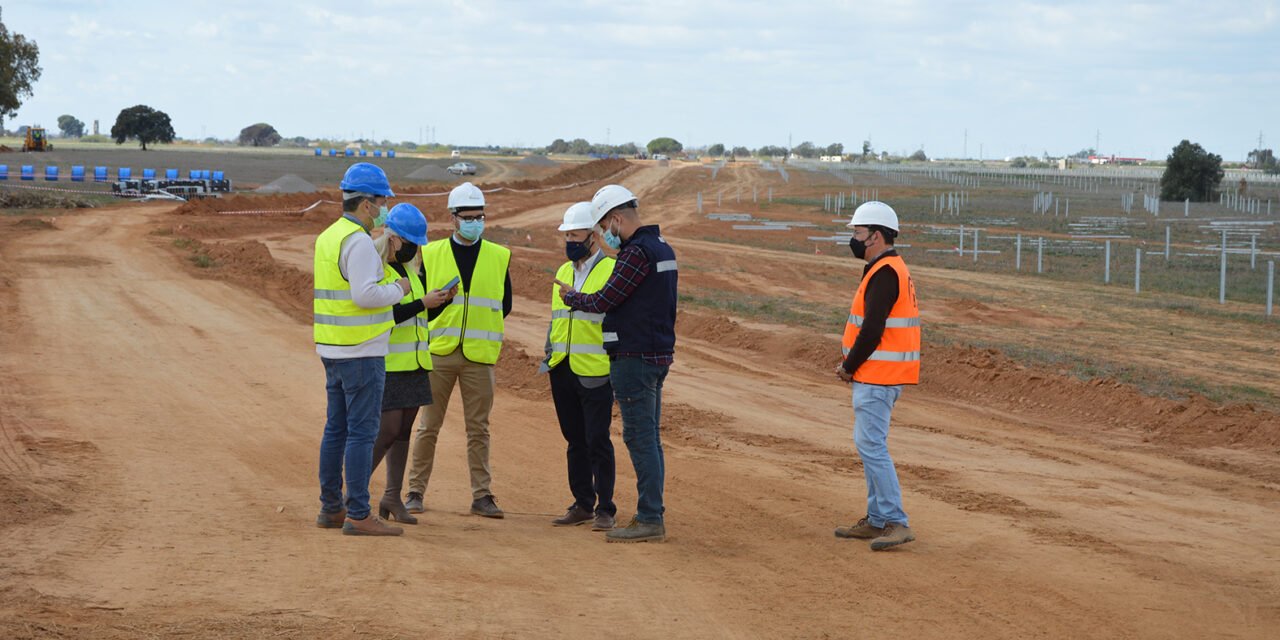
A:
[(755, 197)]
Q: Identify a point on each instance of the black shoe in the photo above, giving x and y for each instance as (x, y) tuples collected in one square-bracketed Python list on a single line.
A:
[(574, 516), (414, 503), (486, 507)]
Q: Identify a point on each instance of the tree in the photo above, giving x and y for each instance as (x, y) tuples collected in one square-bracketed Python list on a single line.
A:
[(834, 149), (259, 135), (771, 151), (1018, 163), (628, 149), (144, 124), (1084, 154), (806, 149), (558, 146), (664, 145), (716, 150), (1191, 172), (919, 156), (741, 152), (70, 126), (19, 69), (1264, 159), (866, 149), (579, 146)]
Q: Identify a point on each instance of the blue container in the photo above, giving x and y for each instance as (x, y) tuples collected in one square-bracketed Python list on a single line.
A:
[(99, 174), (377, 153), (333, 153), (391, 153), (193, 174), (51, 173), (124, 173), (148, 174), (4, 172), (349, 152), (204, 174), (77, 173), (170, 174), (217, 175), (317, 151), (363, 153), (28, 172)]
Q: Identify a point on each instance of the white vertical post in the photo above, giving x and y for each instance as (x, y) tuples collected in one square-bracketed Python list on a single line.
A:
[(1106, 277), (1017, 259), (770, 195), (1040, 256), (1167, 233), (1222, 272), (962, 241), (1271, 284), (1137, 271), (975, 245), (1186, 207), (699, 203), (1253, 252)]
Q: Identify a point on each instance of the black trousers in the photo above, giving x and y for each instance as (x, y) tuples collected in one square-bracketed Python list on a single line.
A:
[(585, 415)]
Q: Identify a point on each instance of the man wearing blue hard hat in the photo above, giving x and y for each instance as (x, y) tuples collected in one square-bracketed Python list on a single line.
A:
[(408, 382), (352, 327)]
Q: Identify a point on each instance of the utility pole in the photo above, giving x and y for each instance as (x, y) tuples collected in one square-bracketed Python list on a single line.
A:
[(965, 155), (1097, 142)]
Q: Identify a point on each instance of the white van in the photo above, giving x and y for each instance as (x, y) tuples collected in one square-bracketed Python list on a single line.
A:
[(455, 154)]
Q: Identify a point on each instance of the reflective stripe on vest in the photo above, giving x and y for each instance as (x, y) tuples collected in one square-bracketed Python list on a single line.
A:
[(578, 334), (409, 350), (336, 319), (896, 359), (473, 320)]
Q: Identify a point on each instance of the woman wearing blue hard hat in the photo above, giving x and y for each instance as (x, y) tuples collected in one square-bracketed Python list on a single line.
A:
[(408, 386)]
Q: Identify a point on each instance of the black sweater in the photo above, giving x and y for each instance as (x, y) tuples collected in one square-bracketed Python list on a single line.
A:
[(880, 296)]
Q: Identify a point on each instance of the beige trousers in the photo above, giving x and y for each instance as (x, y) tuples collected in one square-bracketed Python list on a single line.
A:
[(477, 383)]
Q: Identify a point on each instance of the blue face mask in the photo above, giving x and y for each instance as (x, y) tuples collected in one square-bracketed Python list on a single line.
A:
[(612, 239), (381, 218), (576, 251), (471, 229)]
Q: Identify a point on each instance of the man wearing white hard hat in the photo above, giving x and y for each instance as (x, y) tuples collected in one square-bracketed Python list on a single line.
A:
[(466, 339), (579, 368), (639, 306), (881, 349)]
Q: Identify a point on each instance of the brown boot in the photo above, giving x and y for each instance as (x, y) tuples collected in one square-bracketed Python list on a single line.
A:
[(574, 516), (331, 520), (894, 535), (370, 526), (861, 529)]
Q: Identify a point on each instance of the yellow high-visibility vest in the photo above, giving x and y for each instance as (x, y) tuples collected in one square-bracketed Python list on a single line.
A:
[(409, 349), (473, 320), (577, 334), (338, 320)]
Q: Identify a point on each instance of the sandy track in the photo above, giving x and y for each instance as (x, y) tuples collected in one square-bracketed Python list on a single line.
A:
[(164, 420)]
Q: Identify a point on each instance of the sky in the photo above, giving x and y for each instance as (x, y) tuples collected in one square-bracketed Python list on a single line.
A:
[(958, 79)]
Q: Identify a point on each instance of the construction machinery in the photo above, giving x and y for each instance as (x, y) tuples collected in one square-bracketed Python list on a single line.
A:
[(36, 140), (184, 189)]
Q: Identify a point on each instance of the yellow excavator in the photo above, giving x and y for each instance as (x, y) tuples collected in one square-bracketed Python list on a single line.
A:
[(36, 140)]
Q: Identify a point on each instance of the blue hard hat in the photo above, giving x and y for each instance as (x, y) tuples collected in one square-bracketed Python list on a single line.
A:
[(407, 222), (365, 177)]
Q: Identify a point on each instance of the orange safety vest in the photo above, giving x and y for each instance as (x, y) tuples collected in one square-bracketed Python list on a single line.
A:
[(896, 359)]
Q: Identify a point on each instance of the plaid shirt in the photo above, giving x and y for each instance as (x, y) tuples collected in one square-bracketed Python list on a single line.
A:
[(628, 272)]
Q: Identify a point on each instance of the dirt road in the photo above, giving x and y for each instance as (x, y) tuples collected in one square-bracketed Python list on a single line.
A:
[(158, 457)]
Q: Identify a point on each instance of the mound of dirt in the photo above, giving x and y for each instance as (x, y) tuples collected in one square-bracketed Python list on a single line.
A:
[(287, 202), (249, 263), (288, 183), (6, 149), (432, 173), (538, 161), (39, 224), (31, 199)]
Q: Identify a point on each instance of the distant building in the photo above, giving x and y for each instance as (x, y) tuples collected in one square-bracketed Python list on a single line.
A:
[(1115, 160)]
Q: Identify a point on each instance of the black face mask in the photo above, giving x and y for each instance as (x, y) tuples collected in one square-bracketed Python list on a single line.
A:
[(406, 252), (576, 251), (858, 247)]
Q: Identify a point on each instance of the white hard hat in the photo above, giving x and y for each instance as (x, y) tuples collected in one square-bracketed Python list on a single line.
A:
[(465, 195), (609, 197), (874, 213), (578, 217)]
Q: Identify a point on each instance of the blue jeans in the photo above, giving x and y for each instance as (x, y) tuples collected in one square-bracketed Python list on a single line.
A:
[(872, 405), (354, 387), (637, 386)]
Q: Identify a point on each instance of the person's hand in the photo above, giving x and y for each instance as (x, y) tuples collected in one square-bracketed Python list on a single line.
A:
[(844, 376), (433, 299), (404, 285), (565, 288)]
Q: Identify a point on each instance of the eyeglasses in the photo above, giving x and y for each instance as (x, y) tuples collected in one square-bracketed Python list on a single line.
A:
[(474, 218)]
